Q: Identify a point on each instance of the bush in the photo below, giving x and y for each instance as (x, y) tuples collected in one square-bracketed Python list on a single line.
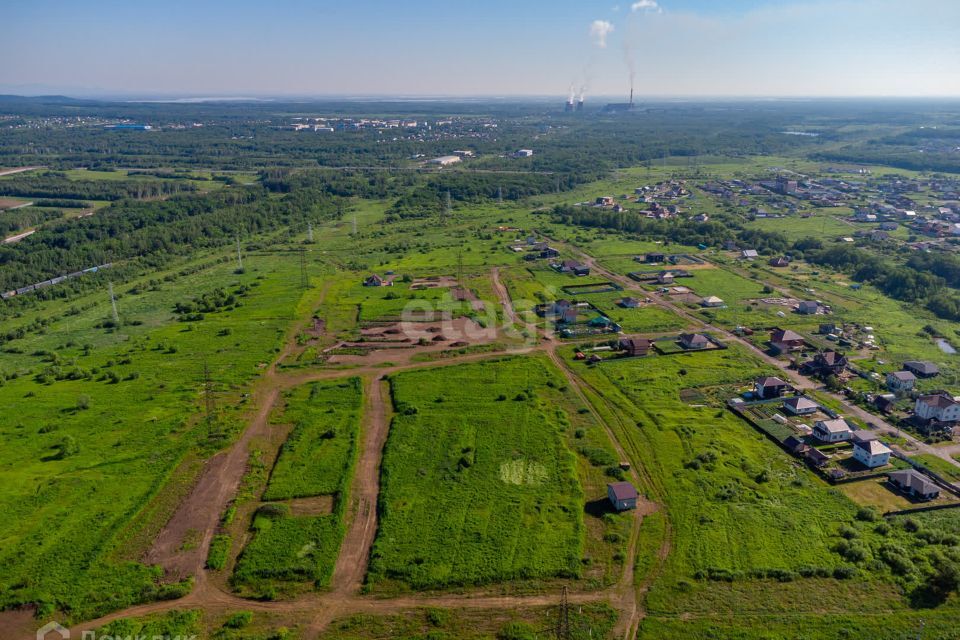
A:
[(239, 620), (83, 402), (516, 631), (868, 514)]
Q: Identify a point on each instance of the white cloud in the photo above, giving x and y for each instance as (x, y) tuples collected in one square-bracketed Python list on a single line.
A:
[(599, 31), (641, 5)]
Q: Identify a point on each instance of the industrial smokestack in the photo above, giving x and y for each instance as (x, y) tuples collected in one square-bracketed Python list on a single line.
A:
[(580, 100), (631, 96), (570, 99)]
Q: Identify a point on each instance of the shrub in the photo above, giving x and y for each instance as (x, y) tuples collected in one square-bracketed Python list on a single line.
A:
[(516, 631), (239, 620), (868, 514), (83, 402)]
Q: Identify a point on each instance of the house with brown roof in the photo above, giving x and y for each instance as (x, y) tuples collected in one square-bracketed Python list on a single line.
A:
[(769, 387), (914, 484), (779, 262), (374, 281), (622, 495), (825, 363), (635, 346), (937, 407), (786, 340)]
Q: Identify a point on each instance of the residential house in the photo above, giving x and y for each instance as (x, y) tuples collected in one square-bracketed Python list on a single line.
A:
[(605, 201), (701, 217), (922, 369), (808, 307), (635, 346), (549, 252), (872, 453), (572, 266), (901, 381), (914, 484), (749, 254), (629, 302), (784, 340), (835, 430), (827, 328), (816, 457), (665, 277), (373, 281), (793, 444), (825, 363), (769, 387), (885, 403), (800, 406), (712, 302), (694, 341), (653, 258), (622, 495), (939, 406), (779, 262)]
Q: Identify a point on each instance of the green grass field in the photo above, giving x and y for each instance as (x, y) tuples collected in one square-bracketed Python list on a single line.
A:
[(96, 420), (478, 485), (316, 457)]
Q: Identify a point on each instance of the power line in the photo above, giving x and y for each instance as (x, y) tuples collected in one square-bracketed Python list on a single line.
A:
[(113, 304), (304, 278)]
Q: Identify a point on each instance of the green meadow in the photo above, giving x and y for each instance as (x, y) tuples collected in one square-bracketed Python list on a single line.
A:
[(101, 424), (477, 483)]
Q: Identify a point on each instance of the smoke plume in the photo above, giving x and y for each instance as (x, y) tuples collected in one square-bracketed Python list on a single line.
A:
[(599, 31)]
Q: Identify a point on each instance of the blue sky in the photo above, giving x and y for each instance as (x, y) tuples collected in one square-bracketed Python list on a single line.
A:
[(494, 47)]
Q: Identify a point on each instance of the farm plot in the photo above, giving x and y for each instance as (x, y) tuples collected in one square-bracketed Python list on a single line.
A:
[(647, 318), (316, 457), (316, 460), (478, 485), (723, 284)]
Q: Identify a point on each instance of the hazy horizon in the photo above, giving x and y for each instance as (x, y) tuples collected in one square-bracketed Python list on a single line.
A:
[(673, 49)]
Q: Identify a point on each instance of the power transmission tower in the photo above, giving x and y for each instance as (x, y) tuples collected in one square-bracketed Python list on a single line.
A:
[(304, 279), (113, 305), (239, 255), (208, 399), (460, 270), (500, 195), (446, 207), (354, 224), (310, 232), (563, 630)]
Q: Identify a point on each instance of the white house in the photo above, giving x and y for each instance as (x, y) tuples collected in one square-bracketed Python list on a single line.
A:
[(900, 381), (800, 406), (836, 430), (872, 453), (939, 406), (523, 153), (749, 254), (712, 301)]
